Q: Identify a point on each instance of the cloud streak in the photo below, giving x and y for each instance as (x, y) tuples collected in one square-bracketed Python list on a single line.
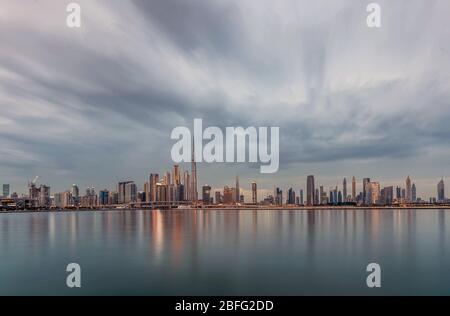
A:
[(99, 102)]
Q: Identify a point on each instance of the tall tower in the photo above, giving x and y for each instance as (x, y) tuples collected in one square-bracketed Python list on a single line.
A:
[(254, 193), (353, 189), (408, 190), (441, 191), (310, 191), (344, 190), (321, 196), (413, 193), (237, 189), (75, 191), (153, 180), (176, 175), (187, 186), (194, 192), (366, 181)]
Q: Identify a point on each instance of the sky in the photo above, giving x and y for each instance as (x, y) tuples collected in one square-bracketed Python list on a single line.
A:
[(96, 104)]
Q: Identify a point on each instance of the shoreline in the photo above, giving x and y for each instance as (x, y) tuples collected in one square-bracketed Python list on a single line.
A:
[(246, 208)]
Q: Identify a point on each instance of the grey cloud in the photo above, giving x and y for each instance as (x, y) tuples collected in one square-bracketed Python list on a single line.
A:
[(338, 91)]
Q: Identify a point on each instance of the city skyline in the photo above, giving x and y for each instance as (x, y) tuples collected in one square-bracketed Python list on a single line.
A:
[(98, 102), (368, 192)]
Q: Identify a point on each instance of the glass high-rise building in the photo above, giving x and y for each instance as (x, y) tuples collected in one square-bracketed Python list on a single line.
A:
[(408, 190), (153, 180), (388, 196), (206, 194), (291, 196), (103, 197), (218, 197), (344, 189), (441, 191), (365, 193), (310, 190), (373, 192), (238, 191), (187, 186), (398, 194), (354, 189), (44, 196), (227, 195), (127, 192), (176, 174), (254, 193)]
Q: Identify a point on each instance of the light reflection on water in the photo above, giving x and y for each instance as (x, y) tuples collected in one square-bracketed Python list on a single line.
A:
[(226, 252)]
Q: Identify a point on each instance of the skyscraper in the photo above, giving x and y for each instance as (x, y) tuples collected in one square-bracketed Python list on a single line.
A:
[(168, 178), (218, 197), (353, 189), (344, 190), (187, 186), (206, 194), (408, 190), (301, 197), (176, 174), (254, 193), (161, 192), (126, 192), (130, 192), (278, 196), (153, 180), (75, 191), (310, 190), (388, 196), (238, 194), (179, 192), (194, 192), (322, 195), (103, 197), (44, 196), (147, 191), (62, 199), (441, 191), (227, 195), (291, 196), (373, 192), (398, 193), (413, 193), (365, 194)]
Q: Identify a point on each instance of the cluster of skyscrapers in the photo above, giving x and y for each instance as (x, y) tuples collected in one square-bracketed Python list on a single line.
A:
[(171, 187), (372, 194), (229, 194), (180, 188)]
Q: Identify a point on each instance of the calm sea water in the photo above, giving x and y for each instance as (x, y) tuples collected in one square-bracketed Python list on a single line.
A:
[(223, 252)]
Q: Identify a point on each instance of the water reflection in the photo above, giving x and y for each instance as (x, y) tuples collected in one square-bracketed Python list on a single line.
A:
[(230, 252)]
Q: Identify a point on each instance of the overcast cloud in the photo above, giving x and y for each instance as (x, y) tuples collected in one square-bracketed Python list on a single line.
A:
[(97, 104)]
